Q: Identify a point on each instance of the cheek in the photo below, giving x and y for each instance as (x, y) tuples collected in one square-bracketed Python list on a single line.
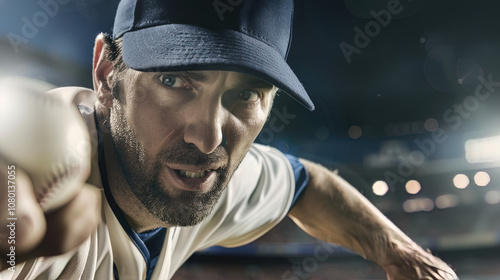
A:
[(256, 123), (154, 122), (243, 133)]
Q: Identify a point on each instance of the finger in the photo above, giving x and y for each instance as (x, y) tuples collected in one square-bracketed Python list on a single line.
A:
[(22, 219), (448, 274), (440, 269), (72, 224)]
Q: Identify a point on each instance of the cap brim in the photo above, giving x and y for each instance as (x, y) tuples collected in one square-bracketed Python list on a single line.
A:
[(177, 47)]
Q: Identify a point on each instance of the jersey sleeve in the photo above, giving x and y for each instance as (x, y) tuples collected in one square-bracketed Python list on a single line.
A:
[(259, 197), (301, 177)]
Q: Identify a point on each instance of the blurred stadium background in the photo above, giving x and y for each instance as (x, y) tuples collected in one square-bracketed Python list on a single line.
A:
[(407, 111)]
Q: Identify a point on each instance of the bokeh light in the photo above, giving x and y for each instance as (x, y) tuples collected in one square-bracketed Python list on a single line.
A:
[(431, 124), (482, 179), (492, 197), (461, 181), (355, 132), (380, 188), (413, 187), (418, 204), (447, 201)]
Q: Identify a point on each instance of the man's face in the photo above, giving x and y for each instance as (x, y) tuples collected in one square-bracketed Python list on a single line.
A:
[(179, 136)]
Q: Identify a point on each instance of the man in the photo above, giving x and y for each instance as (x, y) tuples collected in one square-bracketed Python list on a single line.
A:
[(182, 90)]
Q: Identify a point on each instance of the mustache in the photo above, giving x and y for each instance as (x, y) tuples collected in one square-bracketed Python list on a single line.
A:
[(188, 154)]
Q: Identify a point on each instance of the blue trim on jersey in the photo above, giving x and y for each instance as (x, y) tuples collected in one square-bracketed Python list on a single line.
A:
[(120, 216), (301, 177), (115, 272), (149, 243), (153, 240)]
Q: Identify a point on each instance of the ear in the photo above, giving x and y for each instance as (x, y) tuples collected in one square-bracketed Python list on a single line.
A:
[(102, 69)]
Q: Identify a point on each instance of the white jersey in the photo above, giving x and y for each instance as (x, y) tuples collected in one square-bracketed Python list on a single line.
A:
[(257, 197)]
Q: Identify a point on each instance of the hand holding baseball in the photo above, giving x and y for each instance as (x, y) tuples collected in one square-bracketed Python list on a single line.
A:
[(44, 163)]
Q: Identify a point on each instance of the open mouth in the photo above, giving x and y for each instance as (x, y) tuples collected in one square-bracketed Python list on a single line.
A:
[(192, 180), (189, 174)]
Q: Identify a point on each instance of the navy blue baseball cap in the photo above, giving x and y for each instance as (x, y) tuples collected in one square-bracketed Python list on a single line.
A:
[(249, 36)]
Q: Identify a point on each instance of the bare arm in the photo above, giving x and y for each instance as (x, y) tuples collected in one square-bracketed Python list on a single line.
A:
[(334, 211)]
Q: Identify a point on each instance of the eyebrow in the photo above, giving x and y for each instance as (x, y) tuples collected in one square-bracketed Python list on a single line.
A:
[(247, 82), (197, 76), (253, 82)]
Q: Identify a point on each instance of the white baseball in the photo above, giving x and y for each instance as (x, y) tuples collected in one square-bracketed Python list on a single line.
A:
[(45, 138)]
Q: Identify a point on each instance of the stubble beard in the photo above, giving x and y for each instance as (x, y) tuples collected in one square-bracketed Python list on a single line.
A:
[(172, 206)]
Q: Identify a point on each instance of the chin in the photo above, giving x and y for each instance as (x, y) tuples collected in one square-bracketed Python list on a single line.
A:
[(178, 207)]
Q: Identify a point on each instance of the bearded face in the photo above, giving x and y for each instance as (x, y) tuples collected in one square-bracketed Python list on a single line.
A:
[(167, 137)]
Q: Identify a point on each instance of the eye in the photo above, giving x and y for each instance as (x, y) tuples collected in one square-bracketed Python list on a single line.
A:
[(249, 95), (171, 80)]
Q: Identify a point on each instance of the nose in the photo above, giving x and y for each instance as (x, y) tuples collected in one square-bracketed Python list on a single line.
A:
[(204, 125)]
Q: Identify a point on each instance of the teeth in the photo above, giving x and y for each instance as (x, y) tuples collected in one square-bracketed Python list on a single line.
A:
[(189, 174)]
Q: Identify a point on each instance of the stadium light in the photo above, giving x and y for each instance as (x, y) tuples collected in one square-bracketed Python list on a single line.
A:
[(483, 149)]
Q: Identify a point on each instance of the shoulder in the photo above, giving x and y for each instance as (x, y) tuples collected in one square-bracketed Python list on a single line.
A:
[(263, 166), (268, 158)]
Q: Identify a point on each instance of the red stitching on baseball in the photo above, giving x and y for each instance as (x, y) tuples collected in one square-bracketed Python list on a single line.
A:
[(50, 187)]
